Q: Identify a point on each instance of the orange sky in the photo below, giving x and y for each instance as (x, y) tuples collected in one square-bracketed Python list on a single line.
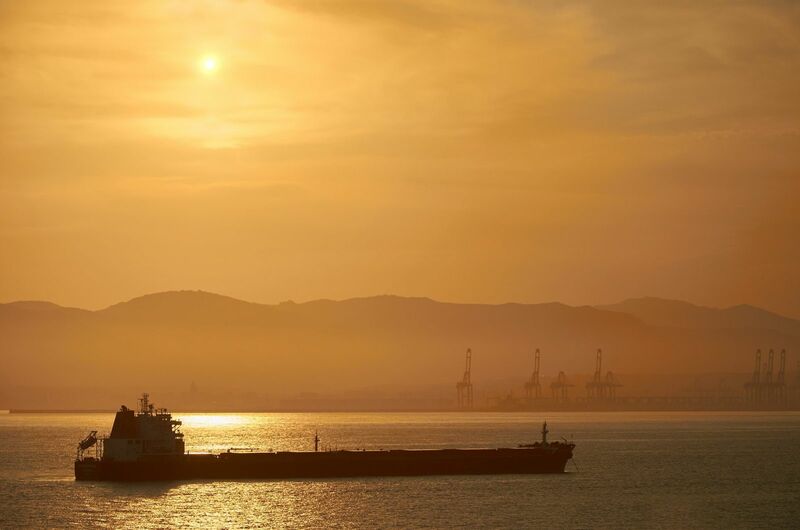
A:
[(467, 151)]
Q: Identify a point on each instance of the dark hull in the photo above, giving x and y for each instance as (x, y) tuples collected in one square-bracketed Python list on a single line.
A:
[(284, 465)]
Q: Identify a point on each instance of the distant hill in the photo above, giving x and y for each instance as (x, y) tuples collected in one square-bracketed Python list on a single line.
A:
[(169, 340), (676, 313)]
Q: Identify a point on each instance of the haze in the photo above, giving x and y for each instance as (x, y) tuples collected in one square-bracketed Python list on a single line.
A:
[(467, 151), (207, 351)]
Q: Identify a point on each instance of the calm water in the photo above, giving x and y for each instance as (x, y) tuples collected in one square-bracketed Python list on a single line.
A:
[(668, 470)]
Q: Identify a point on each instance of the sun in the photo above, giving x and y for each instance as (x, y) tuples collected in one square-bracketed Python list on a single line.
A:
[(209, 64)]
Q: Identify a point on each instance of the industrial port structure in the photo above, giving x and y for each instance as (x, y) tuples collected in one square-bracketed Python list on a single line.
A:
[(464, 387), (601, 388), (766, 389), (533, 387), (763, 389)]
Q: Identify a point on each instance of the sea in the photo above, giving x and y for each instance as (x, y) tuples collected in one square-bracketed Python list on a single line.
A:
[(631, 470)]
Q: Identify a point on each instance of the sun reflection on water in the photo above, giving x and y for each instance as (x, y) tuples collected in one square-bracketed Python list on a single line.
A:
[(213, 420)]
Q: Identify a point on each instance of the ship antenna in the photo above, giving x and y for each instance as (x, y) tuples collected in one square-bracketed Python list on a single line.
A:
[(544, 433), (316, 441)]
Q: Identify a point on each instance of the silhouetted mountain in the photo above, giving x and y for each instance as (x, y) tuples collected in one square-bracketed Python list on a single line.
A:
[(676, 313), (27, 307), (189, 305), (168, 340)]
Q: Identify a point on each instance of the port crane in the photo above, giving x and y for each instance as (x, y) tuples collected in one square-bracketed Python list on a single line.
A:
[(533, 388), (464, 387), (780, 383), (559, 387), (602, 388), (753, 386), (768, 384), (594, 388)]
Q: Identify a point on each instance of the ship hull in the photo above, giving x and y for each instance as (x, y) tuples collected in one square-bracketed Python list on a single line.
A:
[(329, 464)]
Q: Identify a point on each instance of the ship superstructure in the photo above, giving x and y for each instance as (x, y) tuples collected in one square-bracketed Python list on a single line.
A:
[(135, 435), (150, 431)]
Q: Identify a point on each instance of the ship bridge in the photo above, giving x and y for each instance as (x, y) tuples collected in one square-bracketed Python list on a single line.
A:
[(148, 431)]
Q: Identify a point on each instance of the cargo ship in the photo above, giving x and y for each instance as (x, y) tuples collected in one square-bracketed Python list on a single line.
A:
[(147, 445)]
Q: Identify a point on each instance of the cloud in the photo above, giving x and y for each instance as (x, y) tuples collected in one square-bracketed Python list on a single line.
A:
[(406, 14)]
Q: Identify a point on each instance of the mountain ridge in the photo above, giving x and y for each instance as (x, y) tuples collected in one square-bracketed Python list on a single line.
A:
[(679, 313), (208, 295), (321, 346)]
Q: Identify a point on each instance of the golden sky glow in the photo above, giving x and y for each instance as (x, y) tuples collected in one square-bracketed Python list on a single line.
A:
[(468, 151)]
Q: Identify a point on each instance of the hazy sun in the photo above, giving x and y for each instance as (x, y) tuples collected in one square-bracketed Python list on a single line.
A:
[(209, 63)]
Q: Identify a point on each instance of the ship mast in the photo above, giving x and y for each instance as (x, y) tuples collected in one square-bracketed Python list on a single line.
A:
[(144, 404)]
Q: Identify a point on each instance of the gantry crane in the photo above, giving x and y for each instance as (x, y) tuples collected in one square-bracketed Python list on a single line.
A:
[(594, 388), (602, 388), (533, 388), (780, 383), (611, 385), (768, 382), (559, 387), (464, 387), (753, 387)]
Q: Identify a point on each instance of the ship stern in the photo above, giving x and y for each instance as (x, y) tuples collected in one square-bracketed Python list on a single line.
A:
[(87, 469)]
